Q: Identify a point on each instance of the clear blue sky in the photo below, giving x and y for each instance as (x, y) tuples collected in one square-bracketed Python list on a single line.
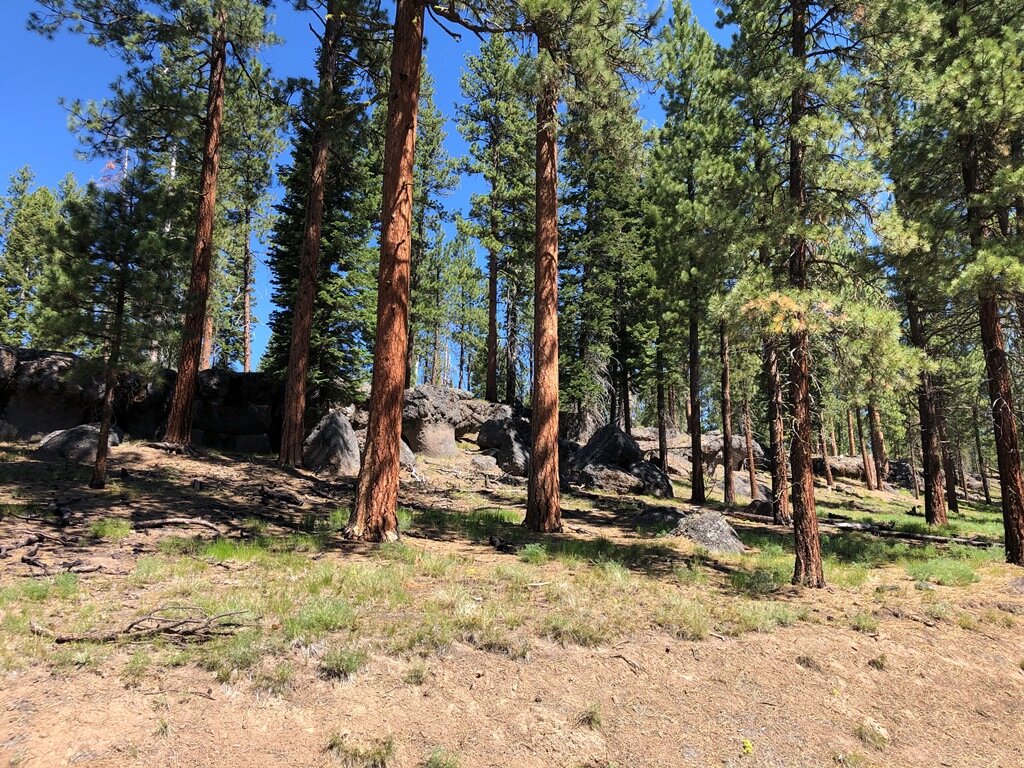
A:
[(35, 73)]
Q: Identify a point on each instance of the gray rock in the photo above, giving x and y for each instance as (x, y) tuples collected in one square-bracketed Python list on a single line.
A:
[(741, 485), (474, 413), (429, 417), (509, 441), (709, 529), (712, 442), (406, 458), (611, 447), (655, 482), (332, 449), (611, 479), (77, 444), (486, 464)]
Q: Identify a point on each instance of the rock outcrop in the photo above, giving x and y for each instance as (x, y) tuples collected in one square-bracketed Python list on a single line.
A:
[(613, 461), (709, 529), (332, 449), (77, 444)]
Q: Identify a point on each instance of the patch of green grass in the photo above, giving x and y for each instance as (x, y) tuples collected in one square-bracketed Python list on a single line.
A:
[(378, 755), (691, 573), (864, 622), (318, 617), (136, 667), (684, 619), (111, 528), (945, 571), (871, 736), (275, 680), (759, 581), (416, 674), (442, 758), (342, 663), (966, 621), (589, 718), (226, 657), (758, 616), (534, 554), (573, 630)]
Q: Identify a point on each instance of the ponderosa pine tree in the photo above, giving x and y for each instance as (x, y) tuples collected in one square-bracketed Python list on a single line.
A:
[(103, 289)]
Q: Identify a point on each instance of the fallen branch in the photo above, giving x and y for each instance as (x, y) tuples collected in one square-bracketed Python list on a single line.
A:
[(876, 530), (172, 448), (146, 524), (195, 623)]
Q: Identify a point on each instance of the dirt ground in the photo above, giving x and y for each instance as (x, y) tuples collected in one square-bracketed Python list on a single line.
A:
[(909, 690)]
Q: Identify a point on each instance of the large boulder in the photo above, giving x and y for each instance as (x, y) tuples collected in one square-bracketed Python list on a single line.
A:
[(710, 530), (429, 417), (332, 449), (231, 405), (610, 479), (609, 446), (712, 443), (406, 458), (43, 391), (741, 486), (508, 441), (474, 413), (846, 467), (77, 444), (653, 481)]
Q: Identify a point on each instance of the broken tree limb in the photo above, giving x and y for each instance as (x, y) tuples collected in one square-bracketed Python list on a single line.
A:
[(147, 524), (190, 622)]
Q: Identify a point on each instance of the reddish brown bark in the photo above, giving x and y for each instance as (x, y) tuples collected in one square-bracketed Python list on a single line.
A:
[(949, 468), (729, 492), (913, 467), (931, 451), (511, 350), (748, 433), (206, 355), (374, 514), (1011, 480), (543, 512), (293, 429), (849, 432), (808, 569), (179, 422)]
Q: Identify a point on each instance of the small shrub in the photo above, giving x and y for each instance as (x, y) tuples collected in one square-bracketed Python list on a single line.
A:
[(442, 758), (966, 621), (416, 674), (572, 629), (808, 662), (878, 662), (113, 528), (864, 622), (685, 619), (318, 617), (274, 681), (379, 755), (589, 718), (136, 668), (342, 664)]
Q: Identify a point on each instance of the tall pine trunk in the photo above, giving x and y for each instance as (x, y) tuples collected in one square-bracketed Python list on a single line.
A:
[(748, 433), (776, 436), (878, 445), (849, 432), (931, 450), (981, 455), (247, 278), (374, 514), (729, 492), (179, 422), (99, 470), (543, 512), (808, 570), (948, 466), (511, 349), (293, 430), (491, 385), (659, 373), (869, 469), (698, 494), (1011, 480), (206, 353)]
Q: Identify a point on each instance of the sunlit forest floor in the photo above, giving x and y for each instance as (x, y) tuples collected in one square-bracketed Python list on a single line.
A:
[(266, 639)]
